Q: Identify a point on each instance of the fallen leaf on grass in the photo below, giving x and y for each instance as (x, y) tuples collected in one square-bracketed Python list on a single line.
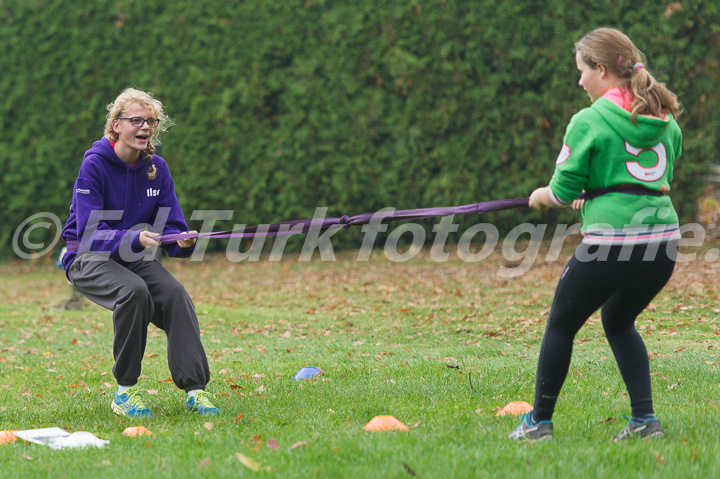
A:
[(298, 444), (273, 444), (660, 459), (239, 418), (410, 470), (257, 443), (248, 462), (209, 426), (29, 458), (610, 419), (693, 456), (204, 463)]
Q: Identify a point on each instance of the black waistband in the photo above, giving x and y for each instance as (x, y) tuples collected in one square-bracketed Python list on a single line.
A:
[(627, 189)]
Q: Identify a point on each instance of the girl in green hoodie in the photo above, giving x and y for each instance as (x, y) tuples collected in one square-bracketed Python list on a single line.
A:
[(621, 152)]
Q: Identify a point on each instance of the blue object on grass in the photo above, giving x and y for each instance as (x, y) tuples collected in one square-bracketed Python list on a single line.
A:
[(307, 372)]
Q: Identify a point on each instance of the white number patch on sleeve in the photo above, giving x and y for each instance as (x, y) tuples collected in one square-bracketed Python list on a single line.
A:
[(652, 173), (564, 155)]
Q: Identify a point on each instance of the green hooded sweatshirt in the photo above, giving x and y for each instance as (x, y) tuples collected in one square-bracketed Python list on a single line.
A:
[(603, 148)]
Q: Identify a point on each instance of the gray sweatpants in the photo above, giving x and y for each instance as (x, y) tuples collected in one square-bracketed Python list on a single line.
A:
[(140, 293)]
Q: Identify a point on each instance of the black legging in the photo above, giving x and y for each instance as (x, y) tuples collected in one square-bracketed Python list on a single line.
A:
[(623, 285)]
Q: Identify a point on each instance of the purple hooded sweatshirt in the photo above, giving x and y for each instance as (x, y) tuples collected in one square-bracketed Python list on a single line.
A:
[(113, 202)]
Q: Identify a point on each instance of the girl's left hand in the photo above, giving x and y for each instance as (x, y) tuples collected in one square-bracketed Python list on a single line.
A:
[(540, 199), (186, 243)]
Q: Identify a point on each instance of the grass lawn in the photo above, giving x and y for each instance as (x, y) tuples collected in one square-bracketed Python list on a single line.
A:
[(440, 346)]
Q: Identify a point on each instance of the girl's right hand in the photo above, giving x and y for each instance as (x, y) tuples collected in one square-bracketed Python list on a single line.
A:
[(146, 239)]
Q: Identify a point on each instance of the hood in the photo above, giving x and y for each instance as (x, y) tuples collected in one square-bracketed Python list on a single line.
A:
[(104, 150), (645, 133)]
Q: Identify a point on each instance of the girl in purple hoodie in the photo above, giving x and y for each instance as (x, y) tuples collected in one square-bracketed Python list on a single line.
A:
[(123, 198)]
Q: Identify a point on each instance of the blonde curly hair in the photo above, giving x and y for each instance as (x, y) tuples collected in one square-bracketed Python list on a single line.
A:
[(154, 106)]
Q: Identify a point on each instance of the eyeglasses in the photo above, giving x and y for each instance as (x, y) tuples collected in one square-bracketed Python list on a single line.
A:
[(137, 121)]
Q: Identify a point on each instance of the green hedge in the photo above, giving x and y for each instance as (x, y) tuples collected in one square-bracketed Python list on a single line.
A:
[(284, 106)]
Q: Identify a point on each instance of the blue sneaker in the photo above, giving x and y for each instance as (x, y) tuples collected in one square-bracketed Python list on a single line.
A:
[(532, 430), (130, 404), (200, 404), (643, 428)]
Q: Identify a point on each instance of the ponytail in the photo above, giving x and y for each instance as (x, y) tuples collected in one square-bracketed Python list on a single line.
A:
[(650, 97)]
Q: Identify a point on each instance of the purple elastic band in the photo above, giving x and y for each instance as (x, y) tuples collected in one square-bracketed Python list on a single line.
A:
[(321, 224)]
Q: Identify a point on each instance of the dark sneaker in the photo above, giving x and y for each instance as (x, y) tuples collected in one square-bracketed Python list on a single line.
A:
[(647, 428), (532, 430), (130, 404)]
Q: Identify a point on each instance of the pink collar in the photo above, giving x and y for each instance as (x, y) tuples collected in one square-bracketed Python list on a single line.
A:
[(623, 99)]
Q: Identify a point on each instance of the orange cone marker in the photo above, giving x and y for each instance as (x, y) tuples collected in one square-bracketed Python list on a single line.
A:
[(136, 431), (7, 437), (515, 408), (384, 423)]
